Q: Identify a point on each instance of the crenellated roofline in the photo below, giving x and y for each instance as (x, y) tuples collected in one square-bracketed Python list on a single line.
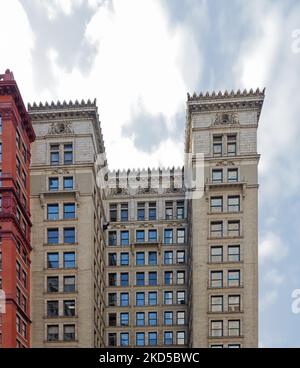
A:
[(35, 107), (226, 94)]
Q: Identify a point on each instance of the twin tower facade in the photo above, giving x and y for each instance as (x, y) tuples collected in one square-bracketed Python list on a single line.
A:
[(141, 258)]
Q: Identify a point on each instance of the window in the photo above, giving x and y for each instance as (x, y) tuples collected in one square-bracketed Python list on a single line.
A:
[(124, 260), (152, 278), (52, 333), (69, 332), (112, 259), (152, 211), (124, 299), (180, 257), (54, 154), (216, 279), (217, 303), (168, 236), (112, 299), (69, 260), (140, 339), (168, 297), (234, 303), (216, 254), (52, 284), (140, 278), (216, 204), (169, 211), (69, 284), (69, 211), (68, 154), (168, 318), (0, 124), (234, 346), (18, 139), (112, 279), (124, 279), (141, 211), (124, 319), (217, 145), (152, 318), (52, 236), (152, 298), (216, 328), (18, 324), (232, 175), (52, 260), (168, 338), (18, 270), (24, 279), (180, 297), (152, 236), (180, 279), (217, 176), (152, 338), (234, 328), (233, 253), (180, 236), (53, 184), (69, 235), (180, 210), (140, 319), (152, 258), (233, 228), (112, 339), (124, 338), (113, 212), (234, 278), (140, 258), (168, 257), (69, 308), (180, 337), (68, 182), (0, 152), (125, 237), (140, 299), (216, 229), (124, 212), (180, 318), (52, 212), (112, 319), (231, 145), (234, 204), (140, 236), (52, 308), (112, 238)]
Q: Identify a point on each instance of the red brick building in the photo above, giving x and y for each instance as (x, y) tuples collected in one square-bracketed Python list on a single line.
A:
[(16, 134)]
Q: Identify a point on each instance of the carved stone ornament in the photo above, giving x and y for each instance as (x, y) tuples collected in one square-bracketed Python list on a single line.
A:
[(60, 128), (226, 118)]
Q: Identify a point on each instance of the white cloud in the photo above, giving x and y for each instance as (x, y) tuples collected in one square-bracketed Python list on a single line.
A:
[(274, 277), (139, 58), (271, 248), (16, 40), (268, 299)]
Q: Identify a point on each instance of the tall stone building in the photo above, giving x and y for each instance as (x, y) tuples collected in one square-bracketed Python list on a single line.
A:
[(68, 218), (224, 261), (136, 260)]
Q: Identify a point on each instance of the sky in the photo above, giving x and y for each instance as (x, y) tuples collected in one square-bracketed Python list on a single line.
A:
[(139, 59)]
